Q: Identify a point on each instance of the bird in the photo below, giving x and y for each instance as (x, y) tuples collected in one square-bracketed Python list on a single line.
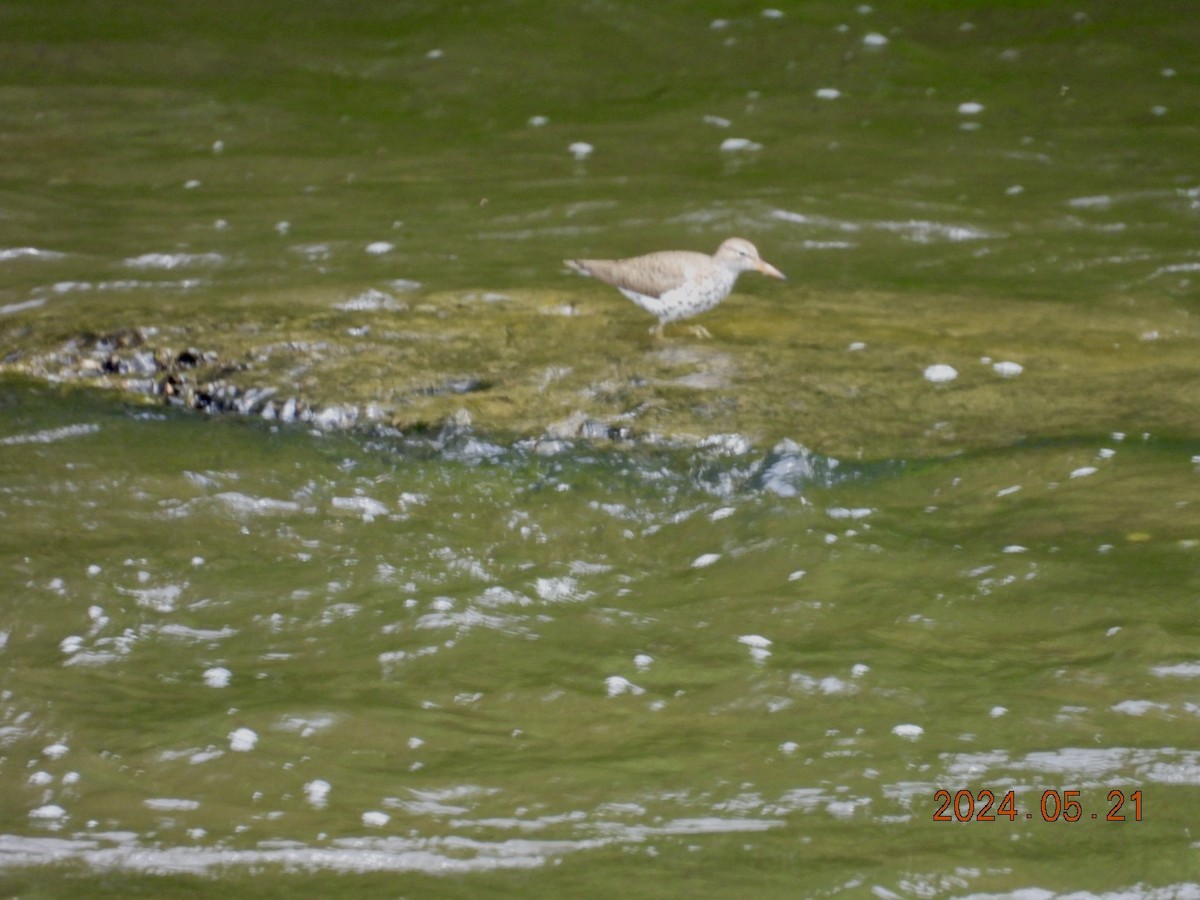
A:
[(678, 284)]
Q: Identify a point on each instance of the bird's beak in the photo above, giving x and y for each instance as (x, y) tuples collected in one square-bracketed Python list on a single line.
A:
[(767, 269)]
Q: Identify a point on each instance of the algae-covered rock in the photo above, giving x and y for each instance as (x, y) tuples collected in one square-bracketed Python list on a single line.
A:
[(845, 375)]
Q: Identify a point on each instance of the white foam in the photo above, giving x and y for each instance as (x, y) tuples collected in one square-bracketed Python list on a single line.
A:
[(244, 503), (922, 231), (198, 635), (173, 260), (49, 811), (615, 686), (909, 731), (1174, 268), (168, 804), (317, 792), (160, 599), (705, 560), (10, 308), (50, 435), (558, 590), (939, 373), (831, 684), (307, 725), (1138, 707), (353, 855), (727, 444), (364, 506), (242, 740), (1178, 670), (738, 145), (1099, 201), (9, 253), (372, 300), (817, 221), (758, 646)]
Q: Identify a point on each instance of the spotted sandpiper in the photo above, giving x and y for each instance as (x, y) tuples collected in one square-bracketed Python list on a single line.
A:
[(678, 284)]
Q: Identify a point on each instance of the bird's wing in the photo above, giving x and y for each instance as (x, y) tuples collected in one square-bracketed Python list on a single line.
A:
[(651, 275)]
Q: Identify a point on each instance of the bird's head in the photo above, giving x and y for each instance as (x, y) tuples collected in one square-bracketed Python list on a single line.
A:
[(742, 256)]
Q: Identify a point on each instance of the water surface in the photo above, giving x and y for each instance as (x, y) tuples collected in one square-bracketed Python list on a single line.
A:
[(351, 544)]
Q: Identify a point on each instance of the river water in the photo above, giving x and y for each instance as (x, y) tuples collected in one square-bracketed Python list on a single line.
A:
[(351, 544)]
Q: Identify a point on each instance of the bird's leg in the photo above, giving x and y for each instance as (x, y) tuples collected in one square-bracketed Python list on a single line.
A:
[(700, 331), (656, 331)]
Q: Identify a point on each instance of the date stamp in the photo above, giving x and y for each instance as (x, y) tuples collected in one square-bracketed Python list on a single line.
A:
[(1055, 806)]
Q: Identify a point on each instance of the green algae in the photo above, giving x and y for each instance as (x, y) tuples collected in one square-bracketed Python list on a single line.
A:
[(843, 375), (1013, 560)]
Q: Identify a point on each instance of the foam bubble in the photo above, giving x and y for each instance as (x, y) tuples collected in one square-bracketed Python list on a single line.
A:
[(242, 740), (940, 373), (49, 811), (735, 145), (615, 686), (317, 792)]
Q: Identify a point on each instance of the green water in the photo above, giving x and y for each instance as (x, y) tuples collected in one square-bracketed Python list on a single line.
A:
[(438, 636)]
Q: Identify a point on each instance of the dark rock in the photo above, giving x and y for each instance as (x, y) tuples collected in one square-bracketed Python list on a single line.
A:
[(188, 359)]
